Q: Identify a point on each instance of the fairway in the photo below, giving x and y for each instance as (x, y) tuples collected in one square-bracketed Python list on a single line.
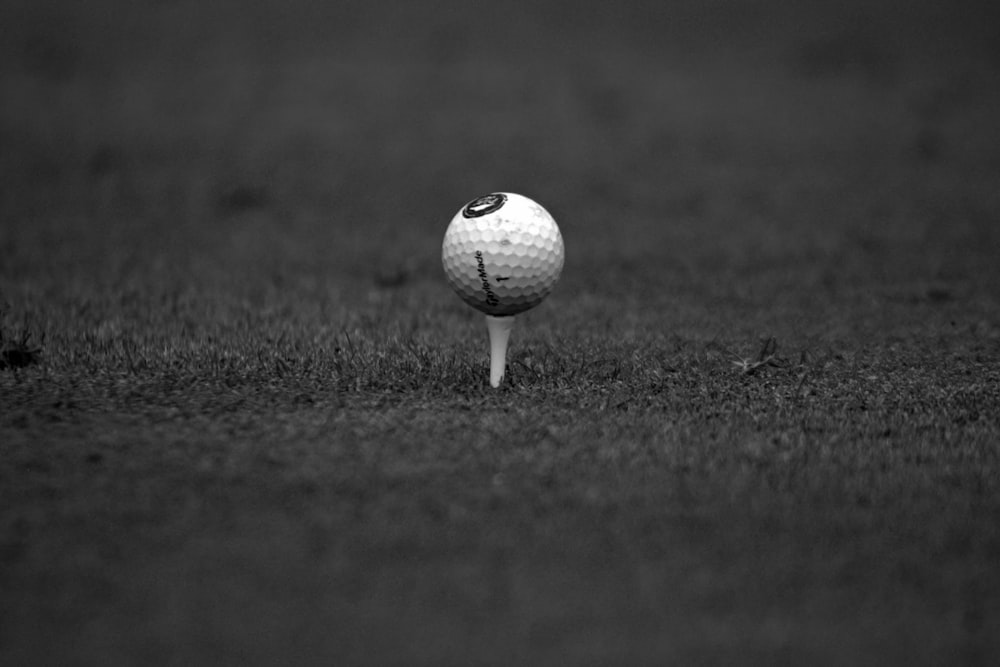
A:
[(244, 420)]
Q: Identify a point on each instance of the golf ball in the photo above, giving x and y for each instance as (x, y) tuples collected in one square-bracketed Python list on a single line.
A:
[(502, 253)]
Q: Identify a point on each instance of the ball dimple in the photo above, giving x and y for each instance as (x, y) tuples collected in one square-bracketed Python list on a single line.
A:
[(517, 242)]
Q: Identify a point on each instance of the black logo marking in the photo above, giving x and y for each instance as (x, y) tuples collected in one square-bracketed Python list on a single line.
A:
[(484, 205), (491, 296)]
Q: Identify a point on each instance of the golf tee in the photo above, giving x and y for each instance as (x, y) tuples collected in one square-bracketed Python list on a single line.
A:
[(499, 328)]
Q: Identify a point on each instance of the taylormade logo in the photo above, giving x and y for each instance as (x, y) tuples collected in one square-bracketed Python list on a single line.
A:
[(491, 296)]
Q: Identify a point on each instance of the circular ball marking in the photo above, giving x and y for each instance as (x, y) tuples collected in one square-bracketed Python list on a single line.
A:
[(484, 205), (502, 253)]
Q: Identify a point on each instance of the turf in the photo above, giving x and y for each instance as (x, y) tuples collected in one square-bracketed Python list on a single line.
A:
[(243, 420)]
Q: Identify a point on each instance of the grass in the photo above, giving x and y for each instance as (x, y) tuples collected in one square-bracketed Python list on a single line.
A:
[(243, 419)]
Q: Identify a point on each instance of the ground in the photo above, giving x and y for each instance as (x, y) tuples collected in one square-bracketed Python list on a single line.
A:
[(244, 420)]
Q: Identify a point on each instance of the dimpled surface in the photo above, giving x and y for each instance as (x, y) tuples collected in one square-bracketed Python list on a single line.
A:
[(504, 261)]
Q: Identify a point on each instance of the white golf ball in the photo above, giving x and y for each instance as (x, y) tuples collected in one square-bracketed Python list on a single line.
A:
[(502, 253)]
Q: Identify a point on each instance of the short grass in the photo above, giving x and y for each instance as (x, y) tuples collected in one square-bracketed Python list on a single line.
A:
[(243, 420)]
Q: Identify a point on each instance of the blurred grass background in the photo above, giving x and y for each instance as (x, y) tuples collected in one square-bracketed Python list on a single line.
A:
[(678, 136)]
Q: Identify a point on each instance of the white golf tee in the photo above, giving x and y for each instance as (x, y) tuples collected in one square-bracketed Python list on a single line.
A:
[(499, 328)]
